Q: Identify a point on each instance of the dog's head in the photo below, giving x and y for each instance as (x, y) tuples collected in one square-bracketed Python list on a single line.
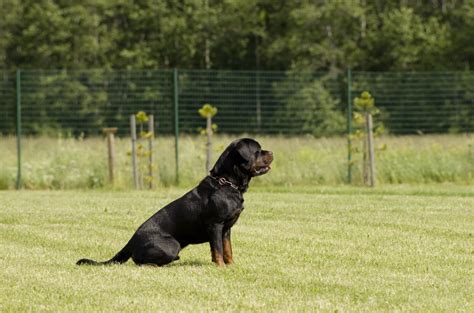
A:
[(243, 158)]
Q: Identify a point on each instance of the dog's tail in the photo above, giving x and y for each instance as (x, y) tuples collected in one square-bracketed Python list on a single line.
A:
[(121, 257)]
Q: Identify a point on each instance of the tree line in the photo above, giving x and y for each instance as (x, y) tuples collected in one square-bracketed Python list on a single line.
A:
[(329, 35), (81, 47)]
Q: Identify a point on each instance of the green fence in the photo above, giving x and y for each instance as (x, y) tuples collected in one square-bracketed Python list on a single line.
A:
[(82, 102), (426, 102)]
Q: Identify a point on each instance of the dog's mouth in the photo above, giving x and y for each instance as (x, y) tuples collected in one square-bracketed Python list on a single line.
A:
[(260, 170), (262, 165)]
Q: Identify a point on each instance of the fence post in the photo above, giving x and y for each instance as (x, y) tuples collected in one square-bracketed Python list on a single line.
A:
[(176, 121), (151, 130), (370, 144), (133, 133), (258, 103), (349, 126), (18, 127)]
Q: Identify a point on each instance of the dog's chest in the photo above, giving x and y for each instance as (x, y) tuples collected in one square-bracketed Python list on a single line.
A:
[(227, 206), (233, 208), (232, 218)]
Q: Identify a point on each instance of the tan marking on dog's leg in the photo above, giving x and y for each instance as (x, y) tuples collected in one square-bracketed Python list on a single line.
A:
[(227, 251), (217, 257)]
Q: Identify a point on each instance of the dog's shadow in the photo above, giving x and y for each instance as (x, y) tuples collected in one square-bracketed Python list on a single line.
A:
[(189, 263)]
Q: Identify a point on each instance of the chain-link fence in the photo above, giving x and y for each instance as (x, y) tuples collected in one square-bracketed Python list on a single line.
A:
[(423, 102), (7, 103), (82, 102)]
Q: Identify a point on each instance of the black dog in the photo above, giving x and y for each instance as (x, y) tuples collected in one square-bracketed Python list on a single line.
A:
[(205, 214)]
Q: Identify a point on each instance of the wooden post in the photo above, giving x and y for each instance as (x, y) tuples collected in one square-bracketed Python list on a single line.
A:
[(209, 143), (370, 143), (365, 156), (151, 130), (133, 132), (109, 132), (140, 151)]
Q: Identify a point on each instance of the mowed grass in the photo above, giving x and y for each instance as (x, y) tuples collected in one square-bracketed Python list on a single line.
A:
[(302, 249)]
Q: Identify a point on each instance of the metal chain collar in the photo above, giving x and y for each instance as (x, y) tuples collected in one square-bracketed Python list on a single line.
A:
[(224, 182)]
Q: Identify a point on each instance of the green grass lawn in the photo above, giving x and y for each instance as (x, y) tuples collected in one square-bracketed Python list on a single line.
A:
[(397, 248)]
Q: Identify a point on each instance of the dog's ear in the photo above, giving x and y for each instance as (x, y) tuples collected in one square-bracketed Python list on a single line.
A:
[(244, 152), (239, 153), (222, 162), (247, 148)]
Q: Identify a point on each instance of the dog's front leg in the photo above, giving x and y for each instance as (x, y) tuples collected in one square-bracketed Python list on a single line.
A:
[(227, 248), (215, 232)]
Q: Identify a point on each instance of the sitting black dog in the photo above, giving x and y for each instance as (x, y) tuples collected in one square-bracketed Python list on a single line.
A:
[(205, 214)]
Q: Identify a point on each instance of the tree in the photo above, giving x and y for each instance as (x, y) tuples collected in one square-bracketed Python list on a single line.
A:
[(310, 109), (322, 35), (404, 41)]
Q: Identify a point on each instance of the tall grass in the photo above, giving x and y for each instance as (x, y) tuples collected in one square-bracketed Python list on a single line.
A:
[(64, 163)]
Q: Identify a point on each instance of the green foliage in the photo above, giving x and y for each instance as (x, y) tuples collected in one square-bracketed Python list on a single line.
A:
[(237, 34), (365, 102), (141, 117), (207, 110), (143, 151), (314, 109), (363, 106), (203, 131)]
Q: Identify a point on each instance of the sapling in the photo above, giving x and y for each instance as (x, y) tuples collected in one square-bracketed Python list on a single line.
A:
[(365, 110), (208, 112), (139, 152)]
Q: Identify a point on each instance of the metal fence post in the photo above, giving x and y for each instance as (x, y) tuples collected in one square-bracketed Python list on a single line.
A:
[(258, 102), (176, 121), (18, 127), (349, 126)]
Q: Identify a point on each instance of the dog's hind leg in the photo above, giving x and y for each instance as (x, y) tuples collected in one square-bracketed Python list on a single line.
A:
[(160, 252)]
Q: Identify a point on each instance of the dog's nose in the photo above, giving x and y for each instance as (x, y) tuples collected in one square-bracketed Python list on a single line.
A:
[(270, 155)]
